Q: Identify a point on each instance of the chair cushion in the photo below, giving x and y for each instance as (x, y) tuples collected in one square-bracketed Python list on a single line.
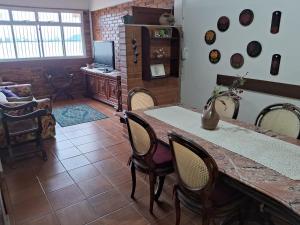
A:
[(162, 155), (2, 98), (223, 194), (20, 99), (8, 93)]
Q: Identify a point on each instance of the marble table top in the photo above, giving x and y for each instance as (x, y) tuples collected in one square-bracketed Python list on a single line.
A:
[(250, 173)]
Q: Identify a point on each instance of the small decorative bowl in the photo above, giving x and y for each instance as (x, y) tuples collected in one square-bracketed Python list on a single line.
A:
[(90, 66)]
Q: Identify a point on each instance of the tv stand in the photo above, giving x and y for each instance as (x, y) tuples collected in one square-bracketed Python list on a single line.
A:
[(104, 86)]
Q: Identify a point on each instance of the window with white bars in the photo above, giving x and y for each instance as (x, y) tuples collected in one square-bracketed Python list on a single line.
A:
[(29, 34)]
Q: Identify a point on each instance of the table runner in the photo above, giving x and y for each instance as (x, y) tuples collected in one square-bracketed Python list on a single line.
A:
[(276, 154)]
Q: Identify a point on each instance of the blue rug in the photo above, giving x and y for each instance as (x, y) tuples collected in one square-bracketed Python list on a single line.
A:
[(76, 114)]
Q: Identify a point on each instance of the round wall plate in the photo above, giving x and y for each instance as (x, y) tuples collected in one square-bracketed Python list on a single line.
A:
[(237, 60), (246, 17), (210, 37), (254, 49), (223, 23), (214, 56)]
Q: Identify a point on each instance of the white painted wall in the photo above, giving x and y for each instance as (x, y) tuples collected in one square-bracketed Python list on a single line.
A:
[(199, 75), (64, 4), (100, 4)]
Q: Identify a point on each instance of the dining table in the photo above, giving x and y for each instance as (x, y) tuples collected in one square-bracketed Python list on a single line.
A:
[(260, 163)]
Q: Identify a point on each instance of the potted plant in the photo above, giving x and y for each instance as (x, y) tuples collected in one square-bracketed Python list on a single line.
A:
[(210, 117)]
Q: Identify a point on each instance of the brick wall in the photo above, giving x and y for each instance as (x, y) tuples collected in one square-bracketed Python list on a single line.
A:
[(106, 22), (33, 71), (166, 91)]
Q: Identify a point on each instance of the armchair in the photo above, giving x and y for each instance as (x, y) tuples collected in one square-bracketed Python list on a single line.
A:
[(5, 83), (24, 92), (28, 125)]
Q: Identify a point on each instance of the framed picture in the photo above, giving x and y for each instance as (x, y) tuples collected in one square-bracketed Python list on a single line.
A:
[(158, 70)]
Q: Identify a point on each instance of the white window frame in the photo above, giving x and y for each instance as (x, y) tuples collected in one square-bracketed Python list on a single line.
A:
[(38, 24)]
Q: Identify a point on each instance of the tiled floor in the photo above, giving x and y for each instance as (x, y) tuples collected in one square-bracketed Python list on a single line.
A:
[(86, 180)]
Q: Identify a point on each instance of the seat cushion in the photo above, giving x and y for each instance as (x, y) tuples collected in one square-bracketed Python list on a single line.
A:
[(2, 98), (19, 99), (8, 93), (162, 155)]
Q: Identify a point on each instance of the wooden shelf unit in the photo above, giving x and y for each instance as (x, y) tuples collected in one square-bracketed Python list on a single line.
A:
[(170, 44)]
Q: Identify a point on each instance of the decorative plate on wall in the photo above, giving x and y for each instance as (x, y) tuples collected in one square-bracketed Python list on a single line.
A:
[(254, 49), (275, 24), (210, 37), (275, 64), (246, 17), (223, 23), (214, 56), (237, 60)]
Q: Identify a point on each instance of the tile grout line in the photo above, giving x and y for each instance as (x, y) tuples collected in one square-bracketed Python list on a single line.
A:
[(51, 207)]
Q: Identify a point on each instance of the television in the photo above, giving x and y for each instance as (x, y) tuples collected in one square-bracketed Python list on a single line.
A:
[(104, 55)]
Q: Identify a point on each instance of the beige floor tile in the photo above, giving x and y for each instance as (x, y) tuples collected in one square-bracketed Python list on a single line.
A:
[(57, 182), (107, 202), (65, 197), (78, 214), (75, 162), (31, 209), (84, 173), (94, 186)]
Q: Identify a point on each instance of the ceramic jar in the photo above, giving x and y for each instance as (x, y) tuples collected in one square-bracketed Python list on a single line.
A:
[(210, 117)]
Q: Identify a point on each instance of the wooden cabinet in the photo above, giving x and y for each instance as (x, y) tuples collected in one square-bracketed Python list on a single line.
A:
[(92, 85), (105, 87)]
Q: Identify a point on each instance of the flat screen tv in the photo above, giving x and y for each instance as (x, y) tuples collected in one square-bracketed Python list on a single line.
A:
[(104, 54)]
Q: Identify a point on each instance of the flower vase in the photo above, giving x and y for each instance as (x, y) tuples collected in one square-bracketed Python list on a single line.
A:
[(210, 117)]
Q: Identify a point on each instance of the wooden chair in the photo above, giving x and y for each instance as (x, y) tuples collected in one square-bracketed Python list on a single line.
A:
[(198, 187), (140, 98), (149, 156), (282, 118), (61, 83), (18, 127), (227, 106)]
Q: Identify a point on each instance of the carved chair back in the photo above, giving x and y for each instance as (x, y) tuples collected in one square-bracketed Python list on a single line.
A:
[(282, 118), (142, 138), (196, 170), (140, 98), (227, 106)]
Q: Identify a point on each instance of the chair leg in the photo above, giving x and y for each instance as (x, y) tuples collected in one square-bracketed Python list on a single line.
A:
[(159, 187), (177, 208), (39, 145), (205, 219), (267, 219), (152, 180), (133, 177), (11, 156), (241, 217)]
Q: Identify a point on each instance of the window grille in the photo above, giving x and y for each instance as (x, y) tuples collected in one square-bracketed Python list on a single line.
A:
[(40, 33)]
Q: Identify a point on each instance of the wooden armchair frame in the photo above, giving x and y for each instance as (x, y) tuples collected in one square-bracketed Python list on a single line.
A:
[(28, 114)]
